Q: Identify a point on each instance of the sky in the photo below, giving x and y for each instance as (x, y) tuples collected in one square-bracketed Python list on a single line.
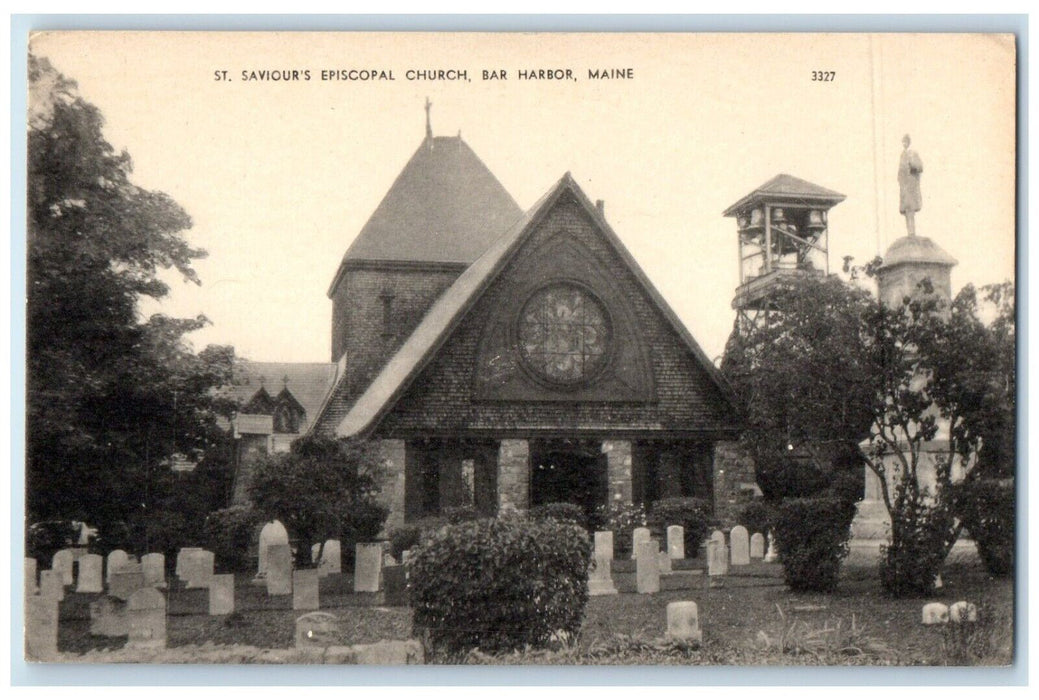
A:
[(279, 177)]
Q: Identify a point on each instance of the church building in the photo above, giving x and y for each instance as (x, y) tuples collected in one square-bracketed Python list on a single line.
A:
[(504, 359)]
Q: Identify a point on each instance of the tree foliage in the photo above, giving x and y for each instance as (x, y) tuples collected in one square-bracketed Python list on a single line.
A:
[(321, 489), (111, 397)]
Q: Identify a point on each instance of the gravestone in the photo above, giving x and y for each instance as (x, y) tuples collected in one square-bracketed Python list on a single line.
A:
[(664, 562), (647, 569), (935, 614), (395, 581), (772, 554), (146, 613), (739, 541), (676, 542), (154, 568), (90, 578), (279, 569), (317, 630), (604, 544), (331, 559), (51, 585), (600, 582), (116, 559), (718, 537), (757, 546), (963, 612), (273, 533), (368, 568), (126, 581), (638, 536), (183, 565), (200, 570), (221, 594), (717, 559), (405, 557), (41, 627), (62, 562), (683, 621), (305, 589), (31, 587), (108, 617)]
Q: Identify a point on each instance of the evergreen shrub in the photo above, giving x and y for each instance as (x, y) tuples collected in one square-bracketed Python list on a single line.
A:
[(499, 584), (986, 508), (812, 538), (228, 534)]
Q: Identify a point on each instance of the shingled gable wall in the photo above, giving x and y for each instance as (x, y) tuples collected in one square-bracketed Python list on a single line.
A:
[(440, 399)]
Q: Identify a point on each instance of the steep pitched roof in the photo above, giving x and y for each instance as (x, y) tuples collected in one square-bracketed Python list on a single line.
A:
[(785, 187), (449, 309), (308, 383), (445, 206)]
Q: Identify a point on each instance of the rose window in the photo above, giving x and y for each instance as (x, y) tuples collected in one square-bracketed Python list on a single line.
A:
[(564, 334)]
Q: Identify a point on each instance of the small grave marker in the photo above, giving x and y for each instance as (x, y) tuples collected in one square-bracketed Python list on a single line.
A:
[(154, 568), (51, 586), (740, 544), (935, 614), (62, 562), (108, 617), (146, 612), (279, 569), (117, 558), (600, 582), (604, 544), (41, 627), (305, 589), (317, 630), (368, 568), (221, 594), (638, 536), (676, 542), (683, 621), (757, 546), (963, 612), (90, 578), (647, 567)]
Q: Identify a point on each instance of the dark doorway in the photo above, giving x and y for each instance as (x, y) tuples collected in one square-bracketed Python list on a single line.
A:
[(568, 472)]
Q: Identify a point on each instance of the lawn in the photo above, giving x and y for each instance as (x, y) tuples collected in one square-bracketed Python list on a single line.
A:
[(753, 619)]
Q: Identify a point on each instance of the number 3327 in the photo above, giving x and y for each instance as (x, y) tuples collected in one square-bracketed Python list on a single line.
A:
[(824, 76)]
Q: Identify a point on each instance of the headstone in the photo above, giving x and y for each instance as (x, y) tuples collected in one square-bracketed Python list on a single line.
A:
[(938, 581), (604, 544), (305, 589), (90, 578), (676, 542), (683, 621), (368, 568), (154, 568), (31, 587), (963, 612), (664, 562), (183, 565), (279, 569), (146, 613), (757, 546), (51, 585), (62, 562), (395, 581), (331, 559), (317, 630), (108, 617), (41, 627), (935, 614), (600, 582), (126, 581), (116, 559), (221, 594), (638, 536), (739, 541), (405, 557), (647, 569), (273, 533), (718, 537), (717, 559), (200, 570), (772, 554)]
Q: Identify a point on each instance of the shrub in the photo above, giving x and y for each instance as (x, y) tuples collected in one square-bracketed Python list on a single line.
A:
[(563, 512), (812, 538), (499, 584), (621, 519), (229, 533), (403, 538), (756, 517), (693, 514), (459, 514), (986, 508), (362, 523), (921, 532)]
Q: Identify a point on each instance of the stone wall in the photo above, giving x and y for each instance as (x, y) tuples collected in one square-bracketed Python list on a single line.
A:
[(513, 475), (391, 487), (618, 469), (734, 481)]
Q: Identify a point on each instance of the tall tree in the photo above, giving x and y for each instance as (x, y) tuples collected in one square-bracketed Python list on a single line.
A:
[(111, 398)]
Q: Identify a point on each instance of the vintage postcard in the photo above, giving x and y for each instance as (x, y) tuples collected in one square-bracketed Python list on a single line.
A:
[(521, 348)]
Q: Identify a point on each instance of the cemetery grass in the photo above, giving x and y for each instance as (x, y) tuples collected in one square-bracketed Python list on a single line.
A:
[(752, 620)]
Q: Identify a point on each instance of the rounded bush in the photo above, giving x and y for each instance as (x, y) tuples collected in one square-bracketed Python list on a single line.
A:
[(756, 516), (563, 512), (986, 508), (403, 538), (693, 514), (229, 533), (812, 539), (499, 584)]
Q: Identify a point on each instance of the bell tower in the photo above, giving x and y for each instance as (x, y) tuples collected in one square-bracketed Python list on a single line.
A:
[(782, 232)]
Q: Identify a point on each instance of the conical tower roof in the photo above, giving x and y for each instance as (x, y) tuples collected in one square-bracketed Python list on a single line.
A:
[(444, 207)]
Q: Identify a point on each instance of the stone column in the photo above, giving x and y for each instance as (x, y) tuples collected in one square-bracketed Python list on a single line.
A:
[(391, 492), (618, 469), (513, 475)]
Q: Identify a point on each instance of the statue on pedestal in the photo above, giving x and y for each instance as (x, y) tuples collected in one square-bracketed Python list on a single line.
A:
[(909, 200)]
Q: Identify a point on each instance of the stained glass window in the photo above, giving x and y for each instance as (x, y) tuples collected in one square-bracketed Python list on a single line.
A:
[(564, 334)]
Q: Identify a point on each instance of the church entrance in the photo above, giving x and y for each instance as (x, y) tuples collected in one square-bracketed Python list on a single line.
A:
[(568, 471)]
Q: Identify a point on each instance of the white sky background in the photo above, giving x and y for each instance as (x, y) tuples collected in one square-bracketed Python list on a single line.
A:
[(280, 177)]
